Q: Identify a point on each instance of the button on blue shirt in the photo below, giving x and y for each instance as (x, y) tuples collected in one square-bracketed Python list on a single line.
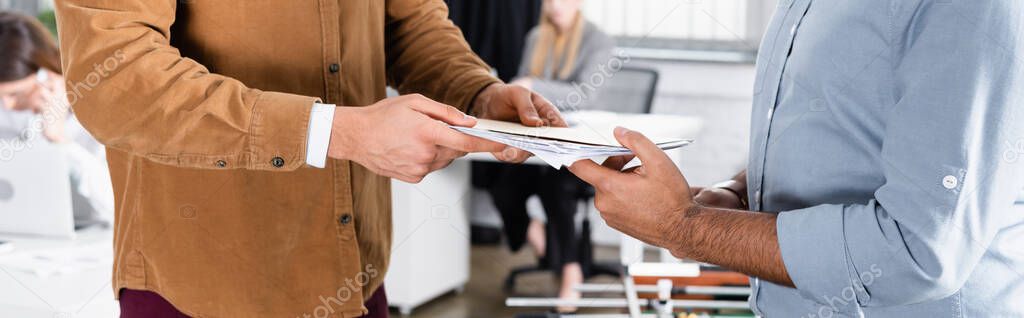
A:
[(889, 135)]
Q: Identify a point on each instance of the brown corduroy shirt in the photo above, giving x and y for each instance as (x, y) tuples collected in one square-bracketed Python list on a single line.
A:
[(204, 106)]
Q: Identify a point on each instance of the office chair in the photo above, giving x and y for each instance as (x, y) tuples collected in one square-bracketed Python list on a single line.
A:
[(630, 90)]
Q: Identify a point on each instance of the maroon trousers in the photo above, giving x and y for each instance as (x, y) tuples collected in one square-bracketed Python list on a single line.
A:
[(147, 304)]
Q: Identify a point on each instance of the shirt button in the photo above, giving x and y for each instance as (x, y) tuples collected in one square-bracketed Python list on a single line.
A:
[(950, 182), (221, 163), (277, 162), (345, 219), (334, 68)]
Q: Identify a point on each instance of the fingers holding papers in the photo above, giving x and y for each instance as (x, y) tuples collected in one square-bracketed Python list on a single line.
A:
[(645, 149), (438, 111), (599, 176), (548, 112), (532, 108), (638, 199), (617, 162), (522, 100), (651, 157), (450, 138), (516, 104), (512, 155)]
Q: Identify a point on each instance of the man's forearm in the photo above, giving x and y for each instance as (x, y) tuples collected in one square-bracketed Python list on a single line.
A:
[(739, 240)]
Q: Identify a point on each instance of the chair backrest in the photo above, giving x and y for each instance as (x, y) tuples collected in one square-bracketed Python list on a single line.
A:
[(630, 90)]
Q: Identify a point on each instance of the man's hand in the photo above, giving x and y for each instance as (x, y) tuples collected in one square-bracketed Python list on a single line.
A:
[(646, 202), (55, 108), (654, 204), (518, 104), (731, 194), (403, 137), (717, 197)]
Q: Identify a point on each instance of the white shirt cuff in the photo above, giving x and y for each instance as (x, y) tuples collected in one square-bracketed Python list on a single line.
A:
[(319, 136)]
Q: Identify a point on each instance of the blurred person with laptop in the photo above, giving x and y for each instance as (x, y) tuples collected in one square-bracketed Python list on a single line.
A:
[(560, 57), (35, 111)]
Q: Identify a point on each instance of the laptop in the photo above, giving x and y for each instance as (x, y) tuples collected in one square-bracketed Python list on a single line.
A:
[(35, 191)]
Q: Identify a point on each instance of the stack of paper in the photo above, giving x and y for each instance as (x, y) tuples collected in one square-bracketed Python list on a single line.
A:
[(559, 146)]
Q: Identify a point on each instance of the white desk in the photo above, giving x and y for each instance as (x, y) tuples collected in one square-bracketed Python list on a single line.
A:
[(78, 293), (430, 255)]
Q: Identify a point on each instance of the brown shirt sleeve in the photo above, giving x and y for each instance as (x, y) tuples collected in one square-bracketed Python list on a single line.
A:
[(427, 54), (135, 92)]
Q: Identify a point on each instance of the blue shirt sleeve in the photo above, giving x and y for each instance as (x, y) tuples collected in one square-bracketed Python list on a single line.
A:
[(951, 178)]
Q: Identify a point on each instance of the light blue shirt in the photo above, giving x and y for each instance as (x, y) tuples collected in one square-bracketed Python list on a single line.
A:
[(890, 136)]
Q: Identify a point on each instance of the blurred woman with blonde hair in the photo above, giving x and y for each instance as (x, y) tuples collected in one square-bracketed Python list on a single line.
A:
[(561, 55)]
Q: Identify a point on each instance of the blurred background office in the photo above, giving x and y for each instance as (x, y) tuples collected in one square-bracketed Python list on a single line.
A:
[(679, 59), (36, 110), (560, 53)]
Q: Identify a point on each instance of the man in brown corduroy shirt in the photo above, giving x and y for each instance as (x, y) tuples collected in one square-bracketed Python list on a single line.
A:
[(250, 143)]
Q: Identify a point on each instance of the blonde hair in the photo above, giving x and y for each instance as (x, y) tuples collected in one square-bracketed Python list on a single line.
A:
[(566, 47)]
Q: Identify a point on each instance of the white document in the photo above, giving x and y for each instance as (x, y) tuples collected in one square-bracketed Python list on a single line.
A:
[(559, 146)]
